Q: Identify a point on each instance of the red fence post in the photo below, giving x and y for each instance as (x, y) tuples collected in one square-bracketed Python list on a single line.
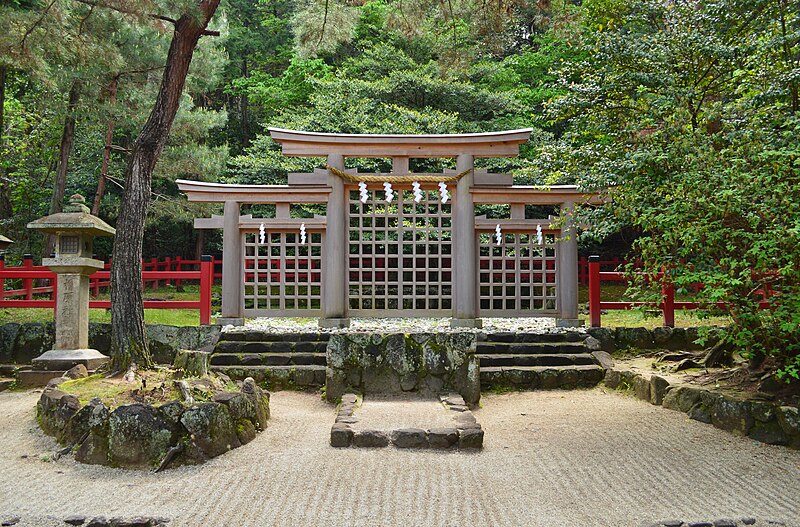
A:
[(154, 267), (168, 267), (27, 283), (178, 267), (668, 294), (594, 291), (2, 280), (206, 279)]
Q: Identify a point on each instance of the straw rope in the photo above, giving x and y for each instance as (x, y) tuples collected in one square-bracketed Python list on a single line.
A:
[(422, 178)]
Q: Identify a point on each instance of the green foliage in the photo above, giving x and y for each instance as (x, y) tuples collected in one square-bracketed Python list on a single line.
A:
[(687, 109)]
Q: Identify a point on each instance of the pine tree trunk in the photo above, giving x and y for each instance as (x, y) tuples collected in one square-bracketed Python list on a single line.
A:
[(5, 199), (67, 141), (129, 343), (101, 183)]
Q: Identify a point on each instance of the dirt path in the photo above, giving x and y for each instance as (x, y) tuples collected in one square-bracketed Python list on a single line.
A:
[(580, 458)]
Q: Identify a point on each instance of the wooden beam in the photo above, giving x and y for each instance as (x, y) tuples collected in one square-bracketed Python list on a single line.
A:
[(220, 193), (317, 144), (534, 195)]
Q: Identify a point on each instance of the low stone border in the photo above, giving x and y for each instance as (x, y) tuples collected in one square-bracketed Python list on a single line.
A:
[(21, 343), (741, 522), (613, 339), (759, 420), (90, 521), (466, 434), (142, 436)]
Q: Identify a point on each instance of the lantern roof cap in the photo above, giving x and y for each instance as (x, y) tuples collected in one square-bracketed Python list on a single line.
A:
[(75, 218)]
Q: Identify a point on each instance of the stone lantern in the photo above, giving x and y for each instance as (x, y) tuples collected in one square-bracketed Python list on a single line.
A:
[(4, 243), (75, 229)]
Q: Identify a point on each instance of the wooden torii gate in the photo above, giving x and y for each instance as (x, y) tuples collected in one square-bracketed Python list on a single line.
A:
[(417, 255)]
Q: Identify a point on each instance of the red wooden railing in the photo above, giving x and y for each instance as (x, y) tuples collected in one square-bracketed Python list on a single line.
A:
[(28, 273), (668, 304)]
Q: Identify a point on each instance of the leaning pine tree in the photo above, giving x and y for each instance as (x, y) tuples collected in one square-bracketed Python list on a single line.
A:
[(127, 312)]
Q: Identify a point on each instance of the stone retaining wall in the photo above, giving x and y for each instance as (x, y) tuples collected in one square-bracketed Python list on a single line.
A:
[(139, 435), (21, 343), (613, 339), (762, 421), (426, 363)]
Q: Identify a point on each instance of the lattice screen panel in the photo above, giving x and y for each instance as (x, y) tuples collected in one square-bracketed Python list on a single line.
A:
[(282, 277), (400, 255), (519, 276)]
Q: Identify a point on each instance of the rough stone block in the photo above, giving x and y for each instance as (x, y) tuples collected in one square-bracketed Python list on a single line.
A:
[(245, 431), (641, 387), (410, 438), (470, 438), (769, 432), (606, 337), (732, 415), (604, 359), (681, 398), (638, 338), (341, 435), (613, 379), (658, 388), (442, 437), (789, 419), (139, 435), (212, 428), (370, 439), (700, 412)]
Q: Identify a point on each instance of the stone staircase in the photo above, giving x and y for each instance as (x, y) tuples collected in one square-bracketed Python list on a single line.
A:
[(537, 361), (526, 361), (288, 359)]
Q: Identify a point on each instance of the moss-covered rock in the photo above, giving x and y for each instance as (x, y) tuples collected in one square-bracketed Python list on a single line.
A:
[(54, 410), (393, 363), (211, 427), (139, 436)]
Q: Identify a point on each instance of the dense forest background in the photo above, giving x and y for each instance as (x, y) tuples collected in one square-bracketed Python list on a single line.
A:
[(686, 111)]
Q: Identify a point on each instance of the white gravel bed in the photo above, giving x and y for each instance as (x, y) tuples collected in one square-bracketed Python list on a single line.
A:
[(399, 325), (550, 459), (390, 412)]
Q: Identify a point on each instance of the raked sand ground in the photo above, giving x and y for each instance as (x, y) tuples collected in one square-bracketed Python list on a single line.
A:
[(560, 458)]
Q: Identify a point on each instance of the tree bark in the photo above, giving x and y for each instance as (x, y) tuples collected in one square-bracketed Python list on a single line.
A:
[(5, 199), (65, 150), (129, 341), (101, 183)]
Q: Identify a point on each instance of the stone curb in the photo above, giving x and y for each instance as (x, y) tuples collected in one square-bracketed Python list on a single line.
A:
[(465, 434), (761, 421), (142, 436), (723, 522)]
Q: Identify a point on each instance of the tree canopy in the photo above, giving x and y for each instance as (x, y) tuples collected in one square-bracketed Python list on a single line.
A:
[(687, 111)]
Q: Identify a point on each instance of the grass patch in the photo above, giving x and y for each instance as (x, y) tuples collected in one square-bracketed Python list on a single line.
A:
[(633, 318), (115, 392)]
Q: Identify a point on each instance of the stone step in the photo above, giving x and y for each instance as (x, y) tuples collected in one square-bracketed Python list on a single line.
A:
[(541, 377), (5, 383), (10, 370), (486, 348), (267, 359), (30, 378), (556, 359), (548, 337), (277, 376), (238, 346), (263, 336)]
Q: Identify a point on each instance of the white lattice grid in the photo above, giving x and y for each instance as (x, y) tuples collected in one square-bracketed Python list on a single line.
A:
[(518, 277), (400, 254), (282, 276)]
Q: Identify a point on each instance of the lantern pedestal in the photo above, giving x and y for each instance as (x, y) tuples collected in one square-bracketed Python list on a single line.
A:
[(72, 316)]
